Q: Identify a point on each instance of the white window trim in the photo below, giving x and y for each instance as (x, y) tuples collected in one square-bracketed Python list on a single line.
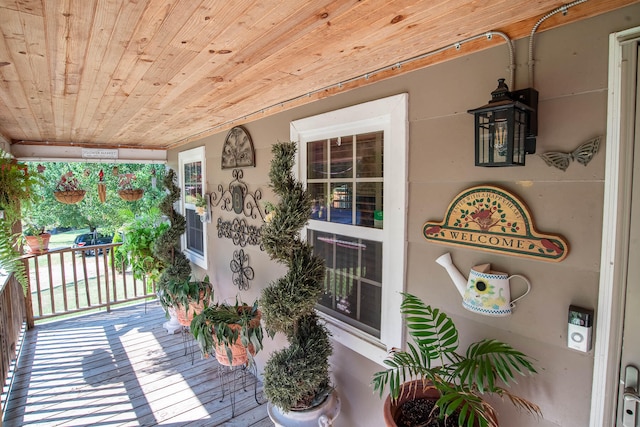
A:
[(189, 156), (391, 116)]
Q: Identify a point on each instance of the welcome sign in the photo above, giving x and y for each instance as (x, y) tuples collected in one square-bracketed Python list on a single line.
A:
[(492, 219)]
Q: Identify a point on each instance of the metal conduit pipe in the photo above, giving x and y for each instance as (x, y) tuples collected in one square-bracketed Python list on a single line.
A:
[(563, 9)]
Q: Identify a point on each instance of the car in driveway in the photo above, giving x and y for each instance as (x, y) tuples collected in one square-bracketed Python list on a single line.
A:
[(91, 239)]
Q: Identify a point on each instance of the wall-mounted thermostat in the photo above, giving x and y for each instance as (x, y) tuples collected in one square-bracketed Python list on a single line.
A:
[(580, 327)]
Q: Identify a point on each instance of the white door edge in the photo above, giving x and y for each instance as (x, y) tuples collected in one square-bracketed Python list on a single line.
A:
[(615, 232)]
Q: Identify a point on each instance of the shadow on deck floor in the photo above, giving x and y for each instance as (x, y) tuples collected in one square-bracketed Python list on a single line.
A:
[(123, 369)]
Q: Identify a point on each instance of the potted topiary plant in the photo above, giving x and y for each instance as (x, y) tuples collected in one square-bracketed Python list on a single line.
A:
[(232, 331), (431, 381), (187, 298), (167, 249), (37, 240), (296, 378)]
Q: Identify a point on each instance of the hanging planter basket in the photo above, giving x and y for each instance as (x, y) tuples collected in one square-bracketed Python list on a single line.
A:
[(69, 197), (131, 195)]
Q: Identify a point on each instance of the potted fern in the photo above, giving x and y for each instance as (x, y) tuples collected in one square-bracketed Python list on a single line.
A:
[(232, 331), (17, 185), (432, 378)]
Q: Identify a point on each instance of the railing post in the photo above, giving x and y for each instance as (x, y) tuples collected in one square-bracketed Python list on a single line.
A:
[(28, 303)]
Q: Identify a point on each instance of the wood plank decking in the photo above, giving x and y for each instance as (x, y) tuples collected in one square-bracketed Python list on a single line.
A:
[(123, 369)]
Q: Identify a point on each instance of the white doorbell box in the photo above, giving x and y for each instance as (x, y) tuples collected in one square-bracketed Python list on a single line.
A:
[(580, 328)]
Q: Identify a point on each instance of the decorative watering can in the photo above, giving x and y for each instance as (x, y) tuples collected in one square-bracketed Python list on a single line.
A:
[(485, 292)]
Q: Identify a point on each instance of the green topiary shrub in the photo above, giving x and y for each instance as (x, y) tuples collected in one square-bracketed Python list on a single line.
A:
[(296, 377)]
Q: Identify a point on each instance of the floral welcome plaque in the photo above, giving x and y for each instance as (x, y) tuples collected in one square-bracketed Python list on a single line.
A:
[(494, 220)]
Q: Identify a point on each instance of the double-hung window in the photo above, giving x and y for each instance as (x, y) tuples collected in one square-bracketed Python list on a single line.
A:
[(354, 164), (192, 179)]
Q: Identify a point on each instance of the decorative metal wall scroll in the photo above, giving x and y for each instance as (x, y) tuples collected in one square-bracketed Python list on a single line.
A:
[(583, 155), (242, 273), (491, 219), (237, 198), (241, 233), (237, 150)]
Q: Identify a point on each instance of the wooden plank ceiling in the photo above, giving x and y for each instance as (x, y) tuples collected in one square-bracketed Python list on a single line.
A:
[(158, 73)]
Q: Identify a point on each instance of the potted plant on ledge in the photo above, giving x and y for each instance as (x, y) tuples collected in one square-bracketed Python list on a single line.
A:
[(232, 331), (36, 238), (432, 382), (296, 378)]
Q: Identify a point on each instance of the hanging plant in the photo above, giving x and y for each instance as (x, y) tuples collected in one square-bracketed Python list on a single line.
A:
[(16, 190), (68, 189), (127, 192)]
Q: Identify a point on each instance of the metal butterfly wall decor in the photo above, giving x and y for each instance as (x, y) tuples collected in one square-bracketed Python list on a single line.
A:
[(583, 155)]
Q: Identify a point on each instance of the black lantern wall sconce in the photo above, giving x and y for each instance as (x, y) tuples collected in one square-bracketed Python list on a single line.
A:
[(506, 127)]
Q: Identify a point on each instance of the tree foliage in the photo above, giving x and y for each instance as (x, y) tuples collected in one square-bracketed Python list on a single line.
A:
[(91, 212)]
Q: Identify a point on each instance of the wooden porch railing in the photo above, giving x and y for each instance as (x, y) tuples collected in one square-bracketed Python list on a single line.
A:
[(12, 326), (72, 280)]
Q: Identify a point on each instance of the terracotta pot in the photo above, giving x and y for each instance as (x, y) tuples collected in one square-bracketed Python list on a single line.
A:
[(38, 244), (185, 316), (415, 390), (239, 353)]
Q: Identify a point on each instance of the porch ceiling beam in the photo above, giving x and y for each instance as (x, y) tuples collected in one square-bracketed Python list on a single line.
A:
[(74, 153)]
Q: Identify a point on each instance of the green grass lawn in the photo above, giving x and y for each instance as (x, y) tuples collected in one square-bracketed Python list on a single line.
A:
[(63, 240)]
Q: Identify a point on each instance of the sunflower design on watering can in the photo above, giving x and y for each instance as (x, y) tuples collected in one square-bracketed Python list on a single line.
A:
[(485, 291)]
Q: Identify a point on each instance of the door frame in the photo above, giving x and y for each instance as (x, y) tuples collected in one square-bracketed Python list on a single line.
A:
[(615, 231)]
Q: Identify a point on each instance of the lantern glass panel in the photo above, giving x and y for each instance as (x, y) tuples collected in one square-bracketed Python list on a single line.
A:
[(520, 124)]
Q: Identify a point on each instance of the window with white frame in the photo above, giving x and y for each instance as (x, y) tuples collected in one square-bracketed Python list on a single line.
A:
[(192, 179), (354, 164)]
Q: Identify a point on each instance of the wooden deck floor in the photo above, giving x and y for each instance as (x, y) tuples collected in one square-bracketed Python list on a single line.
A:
[(123, 369)]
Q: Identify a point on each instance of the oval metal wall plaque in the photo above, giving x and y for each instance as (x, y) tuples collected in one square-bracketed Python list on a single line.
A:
[(492, 219)]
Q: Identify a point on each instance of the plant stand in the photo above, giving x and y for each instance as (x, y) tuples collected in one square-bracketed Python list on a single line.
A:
[(322, 415), (172, 325), (233, 376)]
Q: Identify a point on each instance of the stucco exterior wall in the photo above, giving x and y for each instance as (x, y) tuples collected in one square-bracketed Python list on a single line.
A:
[(571, 77)]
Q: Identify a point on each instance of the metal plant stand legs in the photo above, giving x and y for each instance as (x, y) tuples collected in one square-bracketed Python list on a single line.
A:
[(231, 377)]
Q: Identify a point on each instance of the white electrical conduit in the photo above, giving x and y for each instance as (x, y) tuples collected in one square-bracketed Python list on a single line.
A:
[(562, 9)]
